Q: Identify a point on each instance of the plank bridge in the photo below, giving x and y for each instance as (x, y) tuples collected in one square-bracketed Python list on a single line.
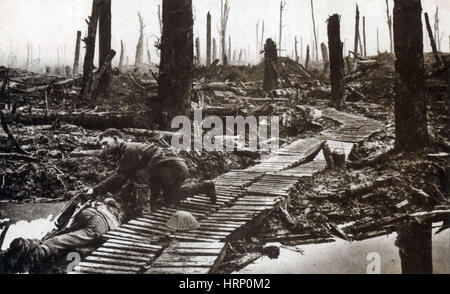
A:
[(244, 199)]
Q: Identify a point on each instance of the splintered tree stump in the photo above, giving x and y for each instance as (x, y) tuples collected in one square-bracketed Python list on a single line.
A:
[(336, 62), (88, 65), (410, 102), (77, 54), (270, 58), (208, 39), (105, 44), (328, 156), (177, 54), (96, 78), (339, 160)]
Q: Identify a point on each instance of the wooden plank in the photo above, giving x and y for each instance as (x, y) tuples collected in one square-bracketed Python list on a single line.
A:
[(140, 244), (128, 247), (90, 270), (173, 264), (146, 230), (116, 234), (109, 266), (114, 261), (193, 245), (177, 258), (121, 256), (131, 254), (193, 251), (171, 270)]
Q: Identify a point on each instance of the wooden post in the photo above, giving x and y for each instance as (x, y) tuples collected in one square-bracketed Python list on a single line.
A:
[(121, 56), (307, 56), (410, 102), (89, 40), (316, 46), (175, 74), (105, 44), (208, 39), (355, 49), (270, 57), (389, 23), (432, 41), (364, 36), (336, 62), (77, 54)]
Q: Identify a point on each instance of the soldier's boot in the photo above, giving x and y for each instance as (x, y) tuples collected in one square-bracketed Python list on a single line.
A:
[(22, 255)]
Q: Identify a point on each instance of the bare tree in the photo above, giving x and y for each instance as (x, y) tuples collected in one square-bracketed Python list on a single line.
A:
[(432, 41), (175, 75), (389, 23), (282, 5), (262, 36), (160, 20), (122, 49), (89, 40), (336, 62), (355, 49), (296, 50), (307, 56), (437, 36), (105, 44), (410, 102), (364, 36), (140, 44), (270, 58), (208, 39), (214, 55), (224, 14), (316, 46), (378, 42), (257, 37), (229, 47), (77, 54), (197, 51)]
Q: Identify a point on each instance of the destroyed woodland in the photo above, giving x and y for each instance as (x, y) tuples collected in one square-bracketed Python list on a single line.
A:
[(395, 101)]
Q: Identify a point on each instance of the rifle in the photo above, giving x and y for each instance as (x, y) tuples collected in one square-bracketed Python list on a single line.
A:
[(72, 208)]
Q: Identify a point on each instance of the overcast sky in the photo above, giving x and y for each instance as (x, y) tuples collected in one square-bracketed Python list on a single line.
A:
[(53, 23)]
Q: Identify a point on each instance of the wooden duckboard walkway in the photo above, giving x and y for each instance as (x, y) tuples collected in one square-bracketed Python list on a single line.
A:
[(244, 199)]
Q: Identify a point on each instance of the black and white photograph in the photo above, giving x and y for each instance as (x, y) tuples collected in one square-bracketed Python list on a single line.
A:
[(224, 137)]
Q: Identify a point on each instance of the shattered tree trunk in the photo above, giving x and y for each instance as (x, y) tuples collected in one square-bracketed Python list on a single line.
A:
[(121, 56), (316, 46), (208, 39), (307, 56), (282, 4), (214, 54), (140, 44), (270, 57), (336, 62), (364, 36), (432, 41), (229, 48), (296, 50), (175, 78), (88, 65), (77, 54), (389, 23), (197, 51), (326, 62), (105, 44), (355, 49), (410, 103), (415, 243), (224, 14), (97, 76)]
